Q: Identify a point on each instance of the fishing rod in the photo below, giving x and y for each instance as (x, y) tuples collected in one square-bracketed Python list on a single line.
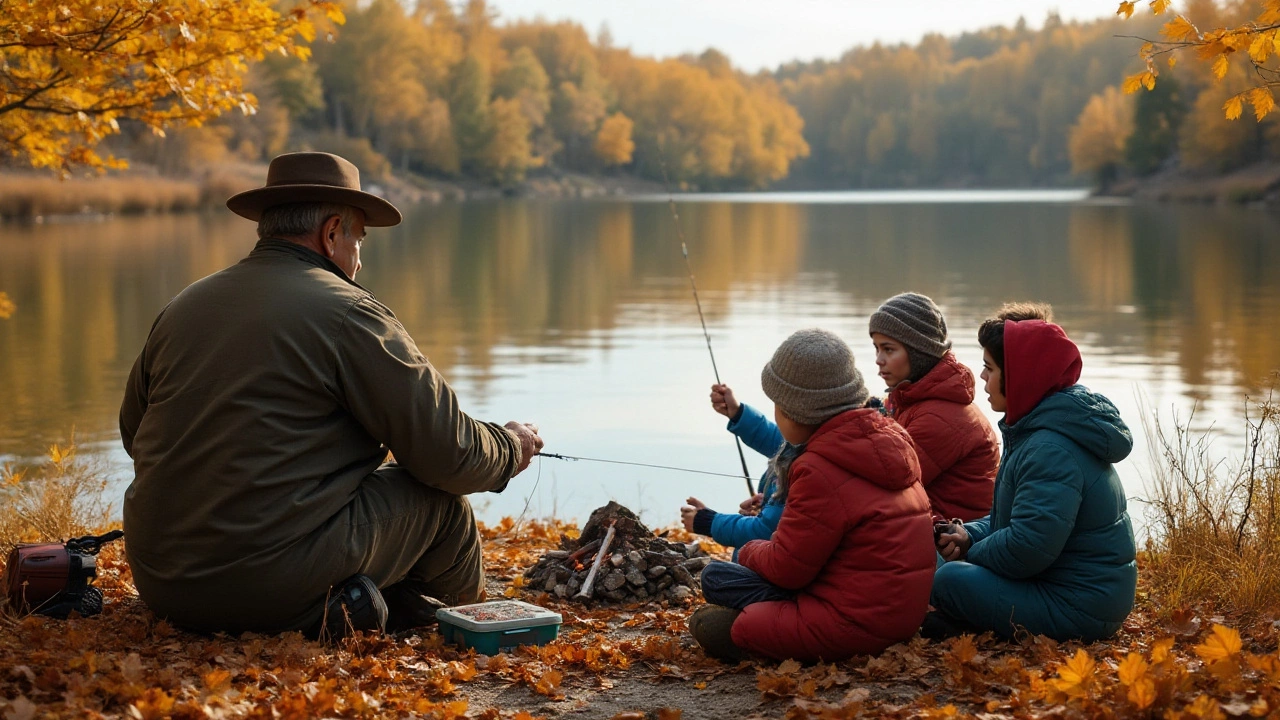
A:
[(684, 249), (557, 456)]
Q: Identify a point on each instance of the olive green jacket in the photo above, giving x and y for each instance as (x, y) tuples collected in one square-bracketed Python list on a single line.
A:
[(264, 395)]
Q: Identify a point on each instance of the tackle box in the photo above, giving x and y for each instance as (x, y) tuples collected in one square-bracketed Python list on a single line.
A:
[(491, 627)]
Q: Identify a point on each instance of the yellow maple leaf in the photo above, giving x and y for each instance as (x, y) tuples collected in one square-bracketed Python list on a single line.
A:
[(1133, 83), (1075, 676), (1263, 101), (1132, 669), (1159, 6), (1206, 707), (1160, 650), (1179, 29), (963, 649), (1224, 642), (1220, 66), (1126, 9), (548, 683), (1142, 693)]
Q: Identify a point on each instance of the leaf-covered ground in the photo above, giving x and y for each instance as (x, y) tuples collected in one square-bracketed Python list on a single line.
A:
[(636, 662)]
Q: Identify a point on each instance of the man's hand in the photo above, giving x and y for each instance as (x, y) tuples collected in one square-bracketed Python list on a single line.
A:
[(693, 505), (752, 505), (723, 401), (530, 443), (953, 543)]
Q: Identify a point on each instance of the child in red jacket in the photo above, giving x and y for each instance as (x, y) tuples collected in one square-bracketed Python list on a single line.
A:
[(849, 568)]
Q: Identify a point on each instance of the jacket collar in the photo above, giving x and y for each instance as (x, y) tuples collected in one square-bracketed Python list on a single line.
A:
[(276, 246)]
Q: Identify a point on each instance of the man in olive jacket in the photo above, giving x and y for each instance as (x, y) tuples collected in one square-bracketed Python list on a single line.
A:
[(259, 416)]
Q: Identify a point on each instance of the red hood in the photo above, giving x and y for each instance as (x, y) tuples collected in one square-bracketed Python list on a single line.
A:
[(869, 445), (1039, 360), (948, 380)]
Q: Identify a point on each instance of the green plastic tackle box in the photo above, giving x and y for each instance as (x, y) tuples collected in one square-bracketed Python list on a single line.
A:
[(491, 627)]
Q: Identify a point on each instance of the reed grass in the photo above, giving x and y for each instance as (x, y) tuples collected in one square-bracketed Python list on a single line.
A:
[(62, 497), (1214, 523), (28, 195)]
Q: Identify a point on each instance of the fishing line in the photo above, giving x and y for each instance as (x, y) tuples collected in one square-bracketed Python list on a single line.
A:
[(635, 464), (684, 250)]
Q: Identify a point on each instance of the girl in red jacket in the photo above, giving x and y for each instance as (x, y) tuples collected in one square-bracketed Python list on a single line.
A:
[(931, 396), (849, 568)]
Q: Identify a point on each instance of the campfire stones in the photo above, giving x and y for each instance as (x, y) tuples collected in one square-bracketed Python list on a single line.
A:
[(639, 566)]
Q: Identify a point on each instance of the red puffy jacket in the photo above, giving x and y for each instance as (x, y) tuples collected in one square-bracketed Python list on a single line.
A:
[(855, 540), (954, 441)]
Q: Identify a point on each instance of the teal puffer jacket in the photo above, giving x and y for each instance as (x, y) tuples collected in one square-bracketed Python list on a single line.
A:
[(1059, 514)]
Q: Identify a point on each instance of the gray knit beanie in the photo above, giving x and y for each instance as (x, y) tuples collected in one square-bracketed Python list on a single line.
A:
[(812, 378), (915, 321)]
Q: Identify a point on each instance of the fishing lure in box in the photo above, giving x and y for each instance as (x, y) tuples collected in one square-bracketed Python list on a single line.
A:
[(491, 627)]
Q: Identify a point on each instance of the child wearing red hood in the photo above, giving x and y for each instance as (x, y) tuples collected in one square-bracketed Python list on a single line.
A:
[(1056, 555), (847, 571)]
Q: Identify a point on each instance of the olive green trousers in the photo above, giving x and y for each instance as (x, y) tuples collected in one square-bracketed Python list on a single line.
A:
[(394, 529)]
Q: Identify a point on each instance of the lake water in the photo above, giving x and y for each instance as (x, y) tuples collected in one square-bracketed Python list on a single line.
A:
[(577, 314)]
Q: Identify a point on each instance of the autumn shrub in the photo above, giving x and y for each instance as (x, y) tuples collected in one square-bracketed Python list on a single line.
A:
[(1215, 524), (62, 497)]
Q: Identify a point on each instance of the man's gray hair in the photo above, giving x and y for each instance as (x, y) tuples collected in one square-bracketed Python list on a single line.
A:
[(298, 219)]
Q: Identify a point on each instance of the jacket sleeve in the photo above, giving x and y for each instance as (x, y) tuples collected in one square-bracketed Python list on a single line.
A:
[(400, 399), (978, 529), (135, 402), (757, 431), (938, 445), (734, 530), (810, 530), (1045, 503)]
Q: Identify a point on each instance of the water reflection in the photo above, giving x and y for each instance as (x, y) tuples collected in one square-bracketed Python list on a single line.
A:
[(580, 311)]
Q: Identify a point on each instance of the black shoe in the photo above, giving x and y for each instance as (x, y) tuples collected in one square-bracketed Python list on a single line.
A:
[(938, 625), (712, 627), (354, 604), (408, 608)]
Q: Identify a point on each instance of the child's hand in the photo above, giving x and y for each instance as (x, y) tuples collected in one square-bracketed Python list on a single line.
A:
[(752, 505), (723, 402), (687, 513), (953, 542)]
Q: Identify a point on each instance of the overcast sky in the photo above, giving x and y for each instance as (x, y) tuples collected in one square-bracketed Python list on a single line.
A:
[(765, 33)]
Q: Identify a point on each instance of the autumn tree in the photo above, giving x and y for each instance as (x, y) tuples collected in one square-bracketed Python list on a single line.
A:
[(1252, 43), (70, 71), (1097, 141), (1159, 114), (614, 145)]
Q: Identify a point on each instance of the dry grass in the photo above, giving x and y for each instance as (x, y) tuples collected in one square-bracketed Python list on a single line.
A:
[(31, 195), (1215, 532), (63, 497)]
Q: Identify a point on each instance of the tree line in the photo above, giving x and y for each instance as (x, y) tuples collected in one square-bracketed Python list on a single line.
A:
[(449, 90)]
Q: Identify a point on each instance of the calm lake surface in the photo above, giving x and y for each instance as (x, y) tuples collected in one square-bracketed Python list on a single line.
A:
[(577, 315)]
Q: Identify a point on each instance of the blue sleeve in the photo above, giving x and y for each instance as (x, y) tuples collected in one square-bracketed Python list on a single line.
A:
[(1046, 501), (978, 529), (757, 431), (733, 530)]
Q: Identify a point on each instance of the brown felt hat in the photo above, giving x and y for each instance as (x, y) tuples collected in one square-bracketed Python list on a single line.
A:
[(313, 177)]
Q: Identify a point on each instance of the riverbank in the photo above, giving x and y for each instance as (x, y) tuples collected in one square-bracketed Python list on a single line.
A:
[(1258, 183), (140, 191)]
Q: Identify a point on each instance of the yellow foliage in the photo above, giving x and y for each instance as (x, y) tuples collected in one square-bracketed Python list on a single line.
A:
[(71, 70), (1180, 29), (613, 143), (1126, 9), (1132, 669), (1075, 677), (1263, 101), (1220, 67), (7, 307), (1234, 107), (1097, 140), (1158, 7), (1223, 644)]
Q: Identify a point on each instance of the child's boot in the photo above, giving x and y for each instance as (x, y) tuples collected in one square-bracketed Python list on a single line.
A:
[(712, 627)]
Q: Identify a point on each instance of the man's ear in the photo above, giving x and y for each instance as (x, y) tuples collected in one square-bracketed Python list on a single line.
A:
[(329, 234)]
